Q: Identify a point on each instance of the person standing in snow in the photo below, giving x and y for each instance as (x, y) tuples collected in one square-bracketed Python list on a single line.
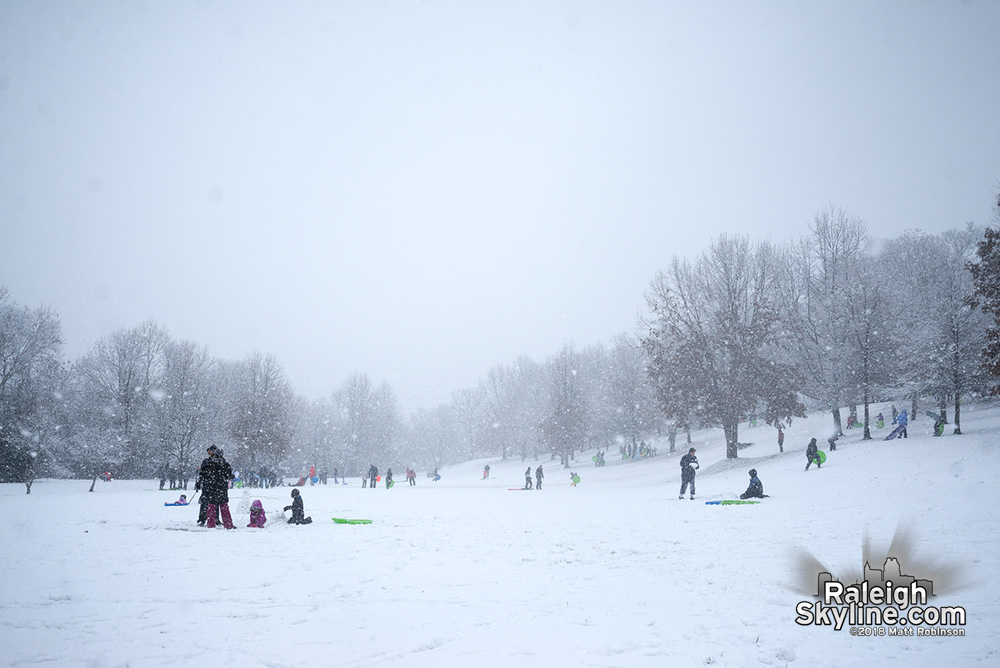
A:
[(781, 439), (527, 478), (689, 463), (372, 476), (215, 476), (388, 479), (756, 488), (832, 441), (199, 485), (538, 477), (411, 476), (298, 509), (486, 471), (812, 454), (901, 420)]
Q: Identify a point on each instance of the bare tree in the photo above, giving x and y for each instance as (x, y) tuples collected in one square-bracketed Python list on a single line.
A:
[(815, 291), (30, 342), (710, 337)]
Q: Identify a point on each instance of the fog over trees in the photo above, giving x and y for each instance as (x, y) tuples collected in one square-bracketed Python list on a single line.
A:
[(749, 330)]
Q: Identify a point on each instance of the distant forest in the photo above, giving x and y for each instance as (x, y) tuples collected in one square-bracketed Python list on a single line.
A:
[(748, 330)]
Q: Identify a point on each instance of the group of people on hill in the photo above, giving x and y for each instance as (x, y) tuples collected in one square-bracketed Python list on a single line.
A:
[(213, 481), (177, 477), (637, 451)]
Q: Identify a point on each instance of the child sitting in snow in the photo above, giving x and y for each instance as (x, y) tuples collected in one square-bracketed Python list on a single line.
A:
[(257, 515), (183, 501), (298, 510)]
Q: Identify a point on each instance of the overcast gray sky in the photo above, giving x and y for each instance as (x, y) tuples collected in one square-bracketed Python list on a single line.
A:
[(420, 191)]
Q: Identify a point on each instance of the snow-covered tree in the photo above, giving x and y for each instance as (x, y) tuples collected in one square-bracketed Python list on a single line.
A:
[(714, 323), (630, 403), (119, 373), (985, 271), (565, 424), (30, 342), (817, 276), (260, 423), (183, 404), (872, 340)]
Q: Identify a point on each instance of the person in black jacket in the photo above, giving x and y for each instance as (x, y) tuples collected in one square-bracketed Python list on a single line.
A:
[(756, 488), (812, 454), (215, 475), (372, 476), (527, 479), (688, 465), (539, 474), (199, 484), (298, 510)]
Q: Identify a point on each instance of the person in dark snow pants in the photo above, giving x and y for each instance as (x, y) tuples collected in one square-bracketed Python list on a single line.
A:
[(812, 454), (538, 477), (527, 478), (689, 463), (756, 488), (372, 476), (215, 476), (298, 510), (388, 479)]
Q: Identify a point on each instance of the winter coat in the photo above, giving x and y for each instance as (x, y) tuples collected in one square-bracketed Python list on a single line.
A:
[(257, 515), (901, 419), (215, 474), (755, 490), (689, 463), (812, 450), (298, 511)]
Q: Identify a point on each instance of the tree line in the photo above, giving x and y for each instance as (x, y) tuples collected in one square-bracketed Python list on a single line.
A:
[(749, 329)]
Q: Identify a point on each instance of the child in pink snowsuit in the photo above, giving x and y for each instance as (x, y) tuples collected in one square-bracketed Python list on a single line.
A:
[(257, 516)]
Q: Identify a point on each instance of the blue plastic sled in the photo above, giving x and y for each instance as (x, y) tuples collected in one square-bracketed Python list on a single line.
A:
[(177, 504), (895, 432)]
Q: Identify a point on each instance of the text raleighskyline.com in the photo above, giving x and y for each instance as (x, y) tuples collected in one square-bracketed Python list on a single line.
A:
[(876, 602)]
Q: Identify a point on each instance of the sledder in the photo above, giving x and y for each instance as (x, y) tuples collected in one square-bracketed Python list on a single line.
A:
[(183, 501), (756, 488)]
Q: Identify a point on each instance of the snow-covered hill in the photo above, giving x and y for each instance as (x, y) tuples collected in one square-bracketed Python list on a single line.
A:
[(464, 572)]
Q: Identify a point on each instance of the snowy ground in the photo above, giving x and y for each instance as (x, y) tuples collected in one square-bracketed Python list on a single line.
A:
[(463, 572)]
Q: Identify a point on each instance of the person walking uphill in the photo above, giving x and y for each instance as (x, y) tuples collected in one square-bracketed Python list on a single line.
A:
[(689, 463), (215, 476), (812, 454)]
